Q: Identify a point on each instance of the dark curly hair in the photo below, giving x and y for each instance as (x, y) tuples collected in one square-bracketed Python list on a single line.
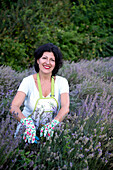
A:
[(49, 48)]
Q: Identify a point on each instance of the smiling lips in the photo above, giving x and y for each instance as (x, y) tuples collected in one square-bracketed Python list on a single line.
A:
[(46, 67)]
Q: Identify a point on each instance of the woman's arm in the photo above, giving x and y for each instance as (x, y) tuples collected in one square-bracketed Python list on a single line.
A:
[(15, 105), (64, 107)]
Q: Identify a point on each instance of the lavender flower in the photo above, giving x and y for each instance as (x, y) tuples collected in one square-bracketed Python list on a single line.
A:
[(82, 135)]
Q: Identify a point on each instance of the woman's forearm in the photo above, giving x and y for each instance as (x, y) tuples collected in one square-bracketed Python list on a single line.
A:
[(16, 112), (16, 104), (62, 113)]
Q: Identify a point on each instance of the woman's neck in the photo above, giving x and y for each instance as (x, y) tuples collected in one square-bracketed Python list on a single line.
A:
[(44, 77)]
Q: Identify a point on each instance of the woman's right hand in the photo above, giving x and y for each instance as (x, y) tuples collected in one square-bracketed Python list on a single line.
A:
[(30, 132)]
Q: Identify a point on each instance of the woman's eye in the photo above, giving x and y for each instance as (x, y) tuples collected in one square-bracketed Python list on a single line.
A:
[(52, 60), (44, 58)]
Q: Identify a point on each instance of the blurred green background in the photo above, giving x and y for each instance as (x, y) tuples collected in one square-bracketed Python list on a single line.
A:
[(83, 29)]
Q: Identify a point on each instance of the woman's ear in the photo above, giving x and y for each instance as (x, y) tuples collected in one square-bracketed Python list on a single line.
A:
[(38, 61)]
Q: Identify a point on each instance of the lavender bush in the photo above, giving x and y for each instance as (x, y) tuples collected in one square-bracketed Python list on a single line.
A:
[(84, 140)]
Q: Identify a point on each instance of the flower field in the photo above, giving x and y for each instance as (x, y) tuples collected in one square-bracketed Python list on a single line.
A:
[(83, 141)]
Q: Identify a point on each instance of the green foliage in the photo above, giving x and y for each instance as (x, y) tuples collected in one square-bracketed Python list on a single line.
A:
[(6, 3), (12, 53), (94, 20), (82, 29)]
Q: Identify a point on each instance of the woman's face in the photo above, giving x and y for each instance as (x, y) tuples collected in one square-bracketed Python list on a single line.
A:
[(46, 63)]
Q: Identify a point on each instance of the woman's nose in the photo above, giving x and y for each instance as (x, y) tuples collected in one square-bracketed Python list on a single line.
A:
[(47, 61)]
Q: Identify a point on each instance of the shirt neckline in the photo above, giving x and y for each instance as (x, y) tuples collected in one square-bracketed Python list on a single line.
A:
[(38, 90)]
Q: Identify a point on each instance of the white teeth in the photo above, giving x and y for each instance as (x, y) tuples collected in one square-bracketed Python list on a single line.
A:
[(46, 67)]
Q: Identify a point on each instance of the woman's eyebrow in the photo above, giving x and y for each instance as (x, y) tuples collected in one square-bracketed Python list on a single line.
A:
[(44, 55), (47, 56)]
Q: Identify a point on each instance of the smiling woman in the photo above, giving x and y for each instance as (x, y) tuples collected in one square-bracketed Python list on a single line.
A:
[(45, 95), (46, 63)]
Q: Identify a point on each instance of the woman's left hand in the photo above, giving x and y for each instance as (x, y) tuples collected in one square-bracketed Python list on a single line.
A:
[(48, 129)]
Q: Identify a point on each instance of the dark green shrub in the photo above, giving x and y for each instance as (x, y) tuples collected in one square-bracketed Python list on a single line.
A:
[(33, 24), (6, 3), (94, 20), (83, 29), (13, 54)]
